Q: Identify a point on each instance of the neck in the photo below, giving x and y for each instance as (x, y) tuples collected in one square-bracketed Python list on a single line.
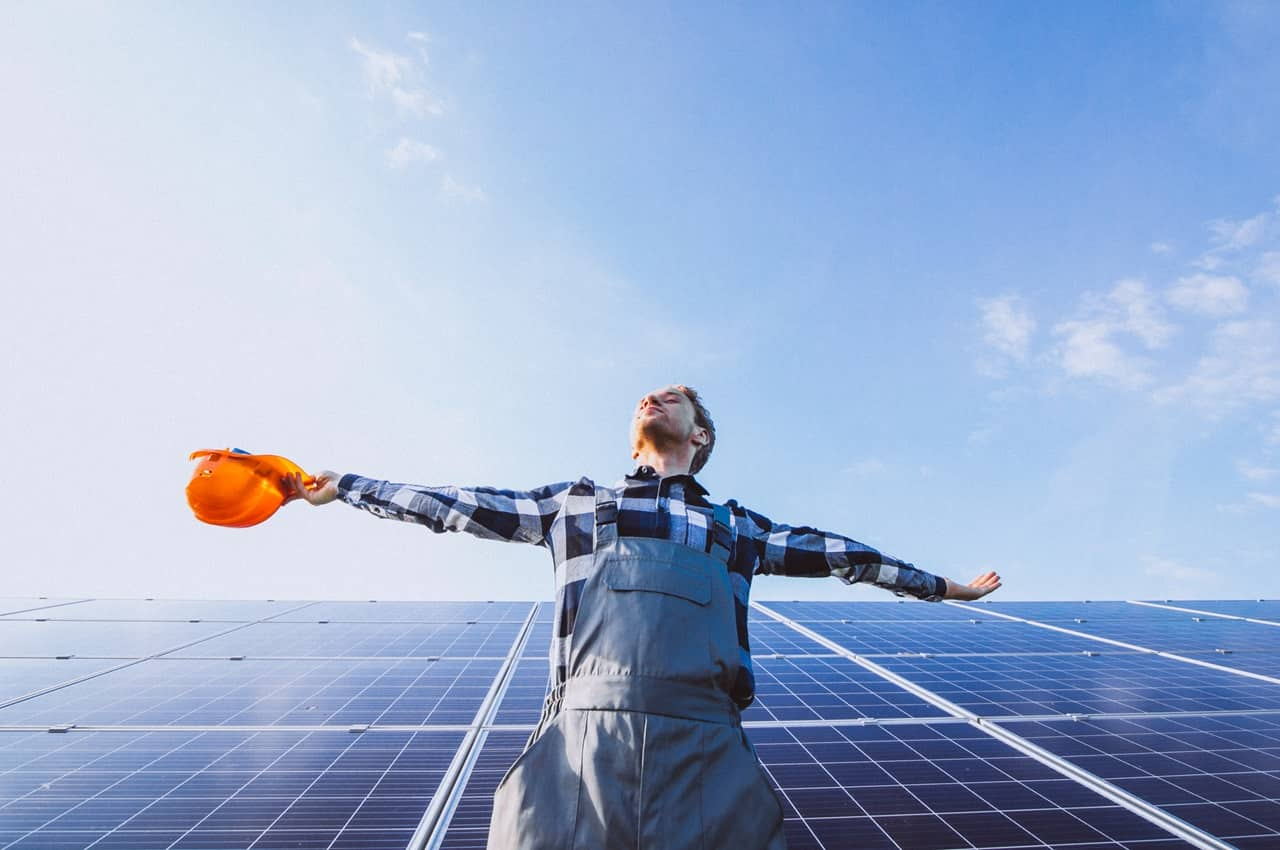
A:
[(665, 463)]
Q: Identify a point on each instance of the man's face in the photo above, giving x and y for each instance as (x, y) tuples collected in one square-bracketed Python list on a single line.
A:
[(665, 417)]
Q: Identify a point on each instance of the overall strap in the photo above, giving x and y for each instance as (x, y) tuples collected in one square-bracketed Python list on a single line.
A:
[(606, 518), (722, 534)]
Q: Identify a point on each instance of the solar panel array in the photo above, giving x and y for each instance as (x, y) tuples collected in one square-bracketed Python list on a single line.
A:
[(898, 725)]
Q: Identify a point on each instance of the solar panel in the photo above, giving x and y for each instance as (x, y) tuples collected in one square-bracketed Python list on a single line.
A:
[(468, 829), (164, 609), (1056, 612), (940, 785), (539, 640), (526, 692), (960, 636), (1220, 773), (123, 639), (828, 688), (898, 611), (1262, 609), (896, 787), (1187, 634), (416, 612), (361, 639), (1262, 663), (1106, 683), (769, 637), (22, 676), (257, 692), (257, 751), (129, 789), (22, 604)]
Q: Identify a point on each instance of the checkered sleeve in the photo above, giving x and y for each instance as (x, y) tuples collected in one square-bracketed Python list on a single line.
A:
[(803, 551), (518, 516)]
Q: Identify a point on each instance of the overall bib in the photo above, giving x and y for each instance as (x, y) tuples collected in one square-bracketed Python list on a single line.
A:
[(643, 749)]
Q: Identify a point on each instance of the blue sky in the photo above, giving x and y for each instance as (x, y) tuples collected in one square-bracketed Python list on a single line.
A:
[(984, 285)]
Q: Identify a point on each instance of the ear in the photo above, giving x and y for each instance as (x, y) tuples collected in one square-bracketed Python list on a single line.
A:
[(701, 437)]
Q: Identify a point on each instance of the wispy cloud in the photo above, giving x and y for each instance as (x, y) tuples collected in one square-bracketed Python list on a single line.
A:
[(1254, 472), (407, 151), (1267, 268), (1161, 247), (1210, 295), (454, 189), (1229, 235), (1267, 500), (420, 40), (1241, 367), (1099, 342), (1124, 337), (395, 77), (1007, 325)]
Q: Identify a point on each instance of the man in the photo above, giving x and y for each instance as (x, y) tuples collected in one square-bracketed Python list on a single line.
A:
[(640, 744)]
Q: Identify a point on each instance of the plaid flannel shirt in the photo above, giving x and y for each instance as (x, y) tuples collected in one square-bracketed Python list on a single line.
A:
[(561, 517)]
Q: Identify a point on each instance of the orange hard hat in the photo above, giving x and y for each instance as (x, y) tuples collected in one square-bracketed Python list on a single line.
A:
[(233, 488)]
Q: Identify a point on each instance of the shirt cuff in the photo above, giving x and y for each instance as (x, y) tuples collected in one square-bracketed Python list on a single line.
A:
[(345, 485), (939, 589)]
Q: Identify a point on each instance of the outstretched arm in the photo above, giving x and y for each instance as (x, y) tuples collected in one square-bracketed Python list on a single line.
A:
[(803, 551), (523, 516)]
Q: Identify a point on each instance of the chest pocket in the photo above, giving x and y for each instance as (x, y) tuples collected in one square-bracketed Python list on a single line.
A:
[(668, 579)]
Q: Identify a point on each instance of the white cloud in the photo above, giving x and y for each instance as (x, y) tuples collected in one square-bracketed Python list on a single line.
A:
[(407, 151), (456, 190), (1268, 268), (420, 41), (383, 69), (1253, 472), (1088, 351), (1007, 325), (1169, 569), (1161, 248), (1092, 344), (1231, 238), (1267, 500), (1242, 367), (1209, 262), (394, 77), (1139, 314), (1210, 295), (1231, 235)]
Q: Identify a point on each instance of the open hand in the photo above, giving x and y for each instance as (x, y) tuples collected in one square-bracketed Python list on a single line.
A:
[(320, 490), (976, 589)]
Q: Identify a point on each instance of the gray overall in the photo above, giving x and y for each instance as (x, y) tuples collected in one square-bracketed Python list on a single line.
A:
[(644, 749)]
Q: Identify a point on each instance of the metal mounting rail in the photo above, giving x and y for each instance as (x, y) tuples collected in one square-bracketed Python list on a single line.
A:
[(44, 607), (1167, 607), (1124, 645), (1117, 795), (435, 820)]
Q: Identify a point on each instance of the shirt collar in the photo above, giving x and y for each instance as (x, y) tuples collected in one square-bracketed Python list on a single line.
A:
[(644, 472)]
